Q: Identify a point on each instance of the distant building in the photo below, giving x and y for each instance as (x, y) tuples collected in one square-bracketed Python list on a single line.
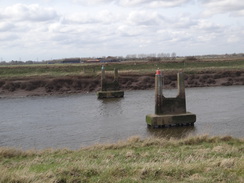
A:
[(71, 61), (92, 61), (109, 59), (102, 60)]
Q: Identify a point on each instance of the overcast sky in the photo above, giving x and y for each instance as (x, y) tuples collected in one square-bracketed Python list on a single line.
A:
[(52, 29)]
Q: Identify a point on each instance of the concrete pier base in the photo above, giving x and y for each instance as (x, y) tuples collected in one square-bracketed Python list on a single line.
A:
[(110, 89), (110, 94), (154, 120), (170, 111)]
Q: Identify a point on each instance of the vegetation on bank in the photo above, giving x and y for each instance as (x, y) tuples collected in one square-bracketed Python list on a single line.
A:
[(55, 70), (193, 159)]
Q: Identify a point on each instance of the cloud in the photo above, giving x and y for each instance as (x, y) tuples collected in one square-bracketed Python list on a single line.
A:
[(121, 27), (128, 31), (25, 24), (133, 3), (233, 38), (100, 17), (5, 26), (236, 7), (8, 37), (92, 2), (207, 26), (153, 3), (147, 18), (234, 35), (182, 21), (32, 12)]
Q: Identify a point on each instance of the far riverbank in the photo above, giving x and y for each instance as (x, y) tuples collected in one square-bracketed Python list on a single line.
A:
[(47, 85)]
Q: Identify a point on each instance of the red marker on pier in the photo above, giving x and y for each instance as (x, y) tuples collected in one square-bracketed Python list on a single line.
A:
[(158, 72)]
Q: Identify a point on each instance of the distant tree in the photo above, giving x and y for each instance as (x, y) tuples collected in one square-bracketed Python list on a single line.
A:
[(190, 58), (173, 56), (142, 55), (131, 56), (154, 59), (151, 55), (29, 62)]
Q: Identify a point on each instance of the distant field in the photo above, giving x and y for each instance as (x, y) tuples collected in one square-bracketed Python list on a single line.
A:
[(55, 70)]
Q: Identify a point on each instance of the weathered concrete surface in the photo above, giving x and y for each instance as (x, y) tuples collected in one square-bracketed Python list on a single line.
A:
[(170, 111), (165, 105), (170, 119), (110, 89), (110, 94)]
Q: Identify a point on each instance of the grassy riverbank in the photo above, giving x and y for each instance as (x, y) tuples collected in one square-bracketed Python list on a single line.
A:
[(57, 70), (194, 159)]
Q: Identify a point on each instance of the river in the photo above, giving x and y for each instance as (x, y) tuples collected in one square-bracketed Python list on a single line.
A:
[(75, 121)]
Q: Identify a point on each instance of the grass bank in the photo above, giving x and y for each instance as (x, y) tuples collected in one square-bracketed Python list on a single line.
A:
[(57, 70), (194, 159)]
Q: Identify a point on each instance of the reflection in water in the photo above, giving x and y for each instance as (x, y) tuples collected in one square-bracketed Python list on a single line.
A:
[(109, 106), (176, 132), (79, 120)]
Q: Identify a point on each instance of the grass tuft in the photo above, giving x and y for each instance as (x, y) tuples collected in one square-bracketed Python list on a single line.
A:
[(11, 153)]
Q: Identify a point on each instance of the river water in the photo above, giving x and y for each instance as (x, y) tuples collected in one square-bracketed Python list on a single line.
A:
[(79, 120)]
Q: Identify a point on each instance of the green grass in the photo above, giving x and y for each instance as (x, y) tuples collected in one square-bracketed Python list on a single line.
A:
[(194, 159), (128, 67)]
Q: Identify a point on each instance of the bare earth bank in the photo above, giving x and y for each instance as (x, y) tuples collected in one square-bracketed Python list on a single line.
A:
[(40, 86)]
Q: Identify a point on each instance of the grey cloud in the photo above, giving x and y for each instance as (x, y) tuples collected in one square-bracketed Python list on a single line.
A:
[(234, 35), (32, 12), (207, 26), (223, 6), (8, 37), (4, 26), (128, 31), (190, 31), (146, 18), (79, 35), (149, 3), (77, 41), (182, 21), (79, 18), (153, 3), (92, 2), (100, 17)]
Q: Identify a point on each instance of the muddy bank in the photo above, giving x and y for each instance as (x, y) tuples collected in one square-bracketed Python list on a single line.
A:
[(39, 86)]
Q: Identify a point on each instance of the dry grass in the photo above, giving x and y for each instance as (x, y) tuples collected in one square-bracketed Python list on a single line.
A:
[(58, 70), (194, 159)]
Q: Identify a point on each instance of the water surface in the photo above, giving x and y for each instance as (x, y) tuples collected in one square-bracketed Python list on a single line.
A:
[(79, 120)]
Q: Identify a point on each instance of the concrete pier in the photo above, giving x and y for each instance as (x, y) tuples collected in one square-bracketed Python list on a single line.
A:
[(170, 111), (110, 89)]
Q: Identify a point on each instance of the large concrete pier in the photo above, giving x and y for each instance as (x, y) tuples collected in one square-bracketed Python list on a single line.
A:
[(110, 89), (170, 111)]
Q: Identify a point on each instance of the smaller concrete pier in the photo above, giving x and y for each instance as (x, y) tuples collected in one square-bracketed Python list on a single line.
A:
[(110, 89), (170, 111)]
